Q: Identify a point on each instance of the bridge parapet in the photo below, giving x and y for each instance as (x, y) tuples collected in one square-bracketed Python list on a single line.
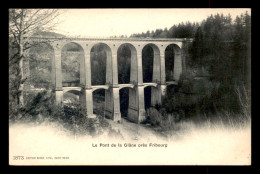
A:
[(108, 39)]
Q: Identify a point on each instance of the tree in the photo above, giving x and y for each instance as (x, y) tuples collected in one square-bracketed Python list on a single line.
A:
[(220, 47), (24, 23), (148, 33), (198, 48)]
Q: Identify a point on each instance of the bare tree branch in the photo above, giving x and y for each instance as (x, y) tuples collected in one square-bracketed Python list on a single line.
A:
[(25, 22)]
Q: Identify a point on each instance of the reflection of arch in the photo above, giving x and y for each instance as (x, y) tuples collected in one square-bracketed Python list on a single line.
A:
[(174, 66), (156, 70), (101, 65)]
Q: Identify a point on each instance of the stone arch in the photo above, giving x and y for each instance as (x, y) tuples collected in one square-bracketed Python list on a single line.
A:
[(72, 90), (173, 68), (74, 55), (101, 87), (151, 85), (132, 68), (154, 73), (131, 87), (101, 68)]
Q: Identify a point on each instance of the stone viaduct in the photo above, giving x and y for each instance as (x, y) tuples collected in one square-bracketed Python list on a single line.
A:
[(136, 109)]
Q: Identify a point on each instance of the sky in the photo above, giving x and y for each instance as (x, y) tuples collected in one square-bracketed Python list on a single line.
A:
[(111, 22)]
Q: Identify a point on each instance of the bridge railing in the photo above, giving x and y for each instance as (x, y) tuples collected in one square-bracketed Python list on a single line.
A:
[(107, 38)]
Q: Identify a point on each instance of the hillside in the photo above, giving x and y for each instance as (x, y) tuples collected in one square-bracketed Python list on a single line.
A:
[(48, 34)]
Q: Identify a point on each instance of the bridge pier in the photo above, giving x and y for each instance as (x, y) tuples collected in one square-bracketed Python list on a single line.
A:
[(87, 103), (155, 95), (116, 105), (141, 110), (57, 75), (136, 111), (163, 88), (108, 104), (59, 97), (177, 66), (112, 105)]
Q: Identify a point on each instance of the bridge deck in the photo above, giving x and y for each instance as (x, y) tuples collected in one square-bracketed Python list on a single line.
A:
[(109, 39)]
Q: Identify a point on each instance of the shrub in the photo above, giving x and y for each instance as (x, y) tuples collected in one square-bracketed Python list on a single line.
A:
[(39, 108), (160, 118)]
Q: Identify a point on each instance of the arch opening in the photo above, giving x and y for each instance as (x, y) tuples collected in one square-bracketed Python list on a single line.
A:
[(71, 104), (147, 63), (72, 60), (124, 101), (147, 97), (124, 55), (38, 70), (38, 66), (151, 63), (100, 56), (150, 96), (99, 102), (172, 59)]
